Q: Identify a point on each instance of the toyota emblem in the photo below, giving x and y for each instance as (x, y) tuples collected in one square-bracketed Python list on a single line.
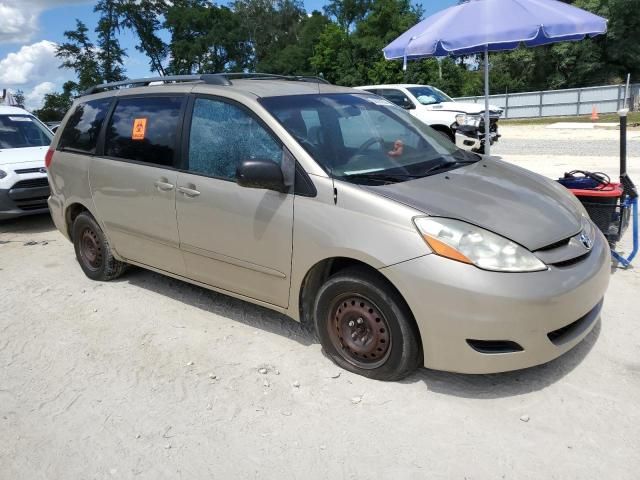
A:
[(43, 170), (586, 241)]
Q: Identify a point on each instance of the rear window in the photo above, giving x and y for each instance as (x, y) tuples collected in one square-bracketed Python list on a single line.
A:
[(144, 129), (22, 131), (83, 127)]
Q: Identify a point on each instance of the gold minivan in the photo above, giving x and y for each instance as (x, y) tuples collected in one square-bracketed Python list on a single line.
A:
[(332, 206)]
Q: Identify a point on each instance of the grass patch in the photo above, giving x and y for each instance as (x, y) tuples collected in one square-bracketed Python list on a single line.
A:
[(634, 118)]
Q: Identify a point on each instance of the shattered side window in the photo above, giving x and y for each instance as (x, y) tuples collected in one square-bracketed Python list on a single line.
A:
[(223, 135)]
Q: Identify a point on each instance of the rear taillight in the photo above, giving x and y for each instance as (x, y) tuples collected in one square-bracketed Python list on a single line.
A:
[(48, 157)]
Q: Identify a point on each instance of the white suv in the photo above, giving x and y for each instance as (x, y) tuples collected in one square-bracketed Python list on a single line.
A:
[(24, 140), (462, 123)]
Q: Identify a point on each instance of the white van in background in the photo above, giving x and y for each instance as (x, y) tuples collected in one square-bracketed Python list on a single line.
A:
[(24, 140)]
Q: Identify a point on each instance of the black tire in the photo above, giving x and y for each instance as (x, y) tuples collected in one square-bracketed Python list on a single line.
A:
[(448, 135), (93, 251), (365, 326), (480, 150)]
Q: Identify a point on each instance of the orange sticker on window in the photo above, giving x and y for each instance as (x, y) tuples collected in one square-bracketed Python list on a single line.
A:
[(139, 129)]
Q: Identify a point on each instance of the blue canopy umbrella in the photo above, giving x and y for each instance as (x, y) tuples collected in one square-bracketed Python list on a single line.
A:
[(478, 26)]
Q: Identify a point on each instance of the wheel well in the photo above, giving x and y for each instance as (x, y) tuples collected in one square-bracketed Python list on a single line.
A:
[(71, 214), (444, 129), (319, 273)]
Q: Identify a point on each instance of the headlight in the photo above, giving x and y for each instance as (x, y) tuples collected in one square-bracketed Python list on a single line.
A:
[(2, 174), (467, 243), (471, 120), (461, 118)]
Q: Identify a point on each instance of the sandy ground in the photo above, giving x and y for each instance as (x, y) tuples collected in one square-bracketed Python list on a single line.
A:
[(148, 377)]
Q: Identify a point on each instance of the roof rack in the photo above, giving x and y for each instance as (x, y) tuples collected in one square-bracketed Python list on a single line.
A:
[(209, 78)]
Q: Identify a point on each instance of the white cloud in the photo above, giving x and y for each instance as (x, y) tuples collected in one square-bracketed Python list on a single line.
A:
[(35, 98), (17, 24), (33, 69), (29, 63), (19, 18)]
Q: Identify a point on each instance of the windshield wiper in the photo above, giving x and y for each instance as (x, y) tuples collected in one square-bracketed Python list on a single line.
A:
[(383, 177), (440, 166)]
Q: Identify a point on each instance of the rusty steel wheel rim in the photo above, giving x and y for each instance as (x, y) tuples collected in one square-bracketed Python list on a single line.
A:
[(359, 331), (91, 249)]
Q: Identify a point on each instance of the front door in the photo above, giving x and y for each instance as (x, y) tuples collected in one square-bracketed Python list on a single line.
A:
[(234, 238), (134, 182)]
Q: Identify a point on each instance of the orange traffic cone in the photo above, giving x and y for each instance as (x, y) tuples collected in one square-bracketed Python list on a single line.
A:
[(594, 114)]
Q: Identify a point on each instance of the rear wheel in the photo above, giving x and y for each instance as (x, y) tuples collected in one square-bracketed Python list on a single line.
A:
[(365, 326), (93, 251)]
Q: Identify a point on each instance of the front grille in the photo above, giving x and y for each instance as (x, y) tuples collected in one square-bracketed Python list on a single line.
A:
[(32, 183), (574, 329), (564, 253), (572, 261), (32, 204), (22, 171), (493, 125), (559, 244)]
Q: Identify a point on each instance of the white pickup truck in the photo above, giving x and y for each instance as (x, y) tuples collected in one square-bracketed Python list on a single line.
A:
[(462, 123)]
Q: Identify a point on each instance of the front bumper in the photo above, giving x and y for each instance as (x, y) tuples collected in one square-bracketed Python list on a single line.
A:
[(18, 201), (545, 313), (473, 138)]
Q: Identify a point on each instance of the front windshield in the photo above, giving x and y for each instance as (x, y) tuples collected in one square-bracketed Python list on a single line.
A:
[(429, 95), (353, 136), (21, 131)]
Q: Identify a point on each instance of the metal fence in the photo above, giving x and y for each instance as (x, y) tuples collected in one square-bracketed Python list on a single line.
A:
[(552, 103)]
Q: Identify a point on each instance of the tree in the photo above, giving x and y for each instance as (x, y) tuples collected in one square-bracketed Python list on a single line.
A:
[(294, 58), (353, 55), (348, 12), (79, 54), (204, 38), (268, 26), (19, 97), (143, 17), (56, 104), (110, 54)]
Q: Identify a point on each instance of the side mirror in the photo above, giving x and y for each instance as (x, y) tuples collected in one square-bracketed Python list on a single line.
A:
[(408, 105), (260, 173)]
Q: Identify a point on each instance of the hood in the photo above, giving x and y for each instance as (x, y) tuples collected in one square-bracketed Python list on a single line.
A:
[(464, 107), (513, 202), (10, 156)]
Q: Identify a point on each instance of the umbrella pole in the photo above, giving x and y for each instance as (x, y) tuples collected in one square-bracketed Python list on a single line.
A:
[(487, 127)]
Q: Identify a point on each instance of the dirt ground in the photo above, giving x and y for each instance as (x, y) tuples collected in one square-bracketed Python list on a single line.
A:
[(148, 377)]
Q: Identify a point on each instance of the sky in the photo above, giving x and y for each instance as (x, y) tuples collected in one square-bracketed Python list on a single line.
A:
[(31, 29)]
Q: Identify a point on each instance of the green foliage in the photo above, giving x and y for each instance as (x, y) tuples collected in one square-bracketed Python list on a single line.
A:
[(204, 38), (269, 27), (349, 51), (19, 97), (79, 54), (110, 54), (143, 17), (344, 44), (56, 104)]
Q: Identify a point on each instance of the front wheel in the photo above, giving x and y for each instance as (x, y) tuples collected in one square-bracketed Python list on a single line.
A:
[(365, 326)]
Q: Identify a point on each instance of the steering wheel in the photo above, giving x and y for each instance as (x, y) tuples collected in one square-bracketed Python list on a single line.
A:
[(369, 143)]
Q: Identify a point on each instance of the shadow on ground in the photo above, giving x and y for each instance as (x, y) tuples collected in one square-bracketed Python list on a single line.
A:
[(460, 385), (220, 304), (28, 225), (508, 384)]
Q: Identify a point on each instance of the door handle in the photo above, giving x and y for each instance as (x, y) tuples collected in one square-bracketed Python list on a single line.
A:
[(189, 192), (164, 185)]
